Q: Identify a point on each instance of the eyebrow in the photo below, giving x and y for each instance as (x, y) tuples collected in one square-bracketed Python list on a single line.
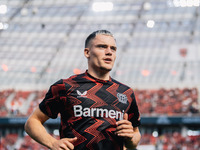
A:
[(105, 45)]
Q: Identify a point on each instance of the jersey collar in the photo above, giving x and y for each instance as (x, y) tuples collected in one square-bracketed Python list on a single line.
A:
[(98, 80)]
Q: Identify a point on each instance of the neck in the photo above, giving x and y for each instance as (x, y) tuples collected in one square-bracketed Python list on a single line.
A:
[(99, 74)]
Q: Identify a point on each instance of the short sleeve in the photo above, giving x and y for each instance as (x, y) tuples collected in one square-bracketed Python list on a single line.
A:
[(51, 104), (133, 113)]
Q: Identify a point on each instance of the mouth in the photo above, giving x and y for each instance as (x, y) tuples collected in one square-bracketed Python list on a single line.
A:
[(107, 60)]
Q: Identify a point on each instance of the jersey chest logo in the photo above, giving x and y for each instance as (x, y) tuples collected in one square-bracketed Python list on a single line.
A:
[(81, 94), (122, 98)]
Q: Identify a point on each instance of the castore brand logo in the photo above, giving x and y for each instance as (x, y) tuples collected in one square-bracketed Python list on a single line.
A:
[(81, 94)]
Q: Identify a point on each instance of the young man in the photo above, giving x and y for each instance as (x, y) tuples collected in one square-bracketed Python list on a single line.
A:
[(97, 112)]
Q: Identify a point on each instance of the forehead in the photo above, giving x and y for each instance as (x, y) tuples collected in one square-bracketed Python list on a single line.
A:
[(104, 39)]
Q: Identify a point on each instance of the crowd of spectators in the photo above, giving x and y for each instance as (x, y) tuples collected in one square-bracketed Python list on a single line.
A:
[(172, 141), (15, 142), (20, 97), (4, 94), (8, 142), (171, 102), (166, 141), (39, 95)]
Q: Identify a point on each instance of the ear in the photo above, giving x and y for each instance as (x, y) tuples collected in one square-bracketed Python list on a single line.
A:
[(87, 52)]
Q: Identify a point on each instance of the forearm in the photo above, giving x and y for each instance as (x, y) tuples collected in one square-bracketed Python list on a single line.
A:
[(132, 143), (34, 127), (36, 130)]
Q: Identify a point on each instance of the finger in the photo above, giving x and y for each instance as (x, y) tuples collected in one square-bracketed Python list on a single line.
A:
[(69, 142), (63, 146), (125, 116), (124, 127), (126, 135), (118, 123), (124, 131), (72, 139), (69, 145)]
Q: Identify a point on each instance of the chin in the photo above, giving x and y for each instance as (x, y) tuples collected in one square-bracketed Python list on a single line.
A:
[(105, 69)]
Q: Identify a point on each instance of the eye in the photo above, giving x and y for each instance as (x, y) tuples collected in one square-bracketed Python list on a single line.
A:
[(102, 46), (113, 48)]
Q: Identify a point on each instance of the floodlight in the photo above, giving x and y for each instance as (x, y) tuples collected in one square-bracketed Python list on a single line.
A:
[(186, 3), (24, 12), (147, 6), (150, 23), (102, 6), (155, 134), (3, 9), (5, 26), (1, 26)]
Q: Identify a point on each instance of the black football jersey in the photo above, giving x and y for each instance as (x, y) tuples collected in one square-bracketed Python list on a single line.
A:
[(89, 109)]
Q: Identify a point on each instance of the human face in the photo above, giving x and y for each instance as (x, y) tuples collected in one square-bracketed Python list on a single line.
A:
[(101, 53)]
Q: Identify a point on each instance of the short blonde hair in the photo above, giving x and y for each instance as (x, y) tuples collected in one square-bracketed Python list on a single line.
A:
[(94, 34)]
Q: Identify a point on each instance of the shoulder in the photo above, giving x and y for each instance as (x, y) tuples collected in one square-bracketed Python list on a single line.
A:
[(68, 80), (65, 84), (74, 78), (121, 85)]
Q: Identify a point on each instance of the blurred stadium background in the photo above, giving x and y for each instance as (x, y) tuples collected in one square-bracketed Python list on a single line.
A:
[(158, 43)]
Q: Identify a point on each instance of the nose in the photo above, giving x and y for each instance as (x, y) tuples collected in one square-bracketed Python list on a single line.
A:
[(108, 51)]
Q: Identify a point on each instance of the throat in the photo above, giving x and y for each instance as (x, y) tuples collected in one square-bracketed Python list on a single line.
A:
[(101, 73)]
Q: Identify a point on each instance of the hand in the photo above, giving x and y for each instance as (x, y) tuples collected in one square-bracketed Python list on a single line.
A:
[(64, 144), (125, 128)]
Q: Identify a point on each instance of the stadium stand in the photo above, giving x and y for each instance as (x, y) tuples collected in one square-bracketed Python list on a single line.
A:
[(29, 143), (172, 141), (170, 102), (20, 99), (38, 41), (9, 142), (167, 141), (3, 96), (34, 103)]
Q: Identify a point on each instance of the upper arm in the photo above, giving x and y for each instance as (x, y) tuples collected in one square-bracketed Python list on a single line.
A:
[(38, 115)]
